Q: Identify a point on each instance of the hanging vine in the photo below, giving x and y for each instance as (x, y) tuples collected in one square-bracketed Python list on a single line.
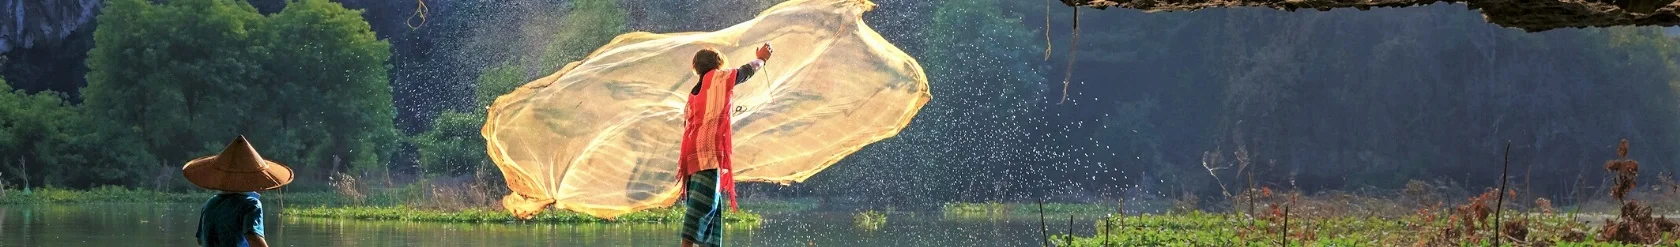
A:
[(1071, 48), (421, 11)]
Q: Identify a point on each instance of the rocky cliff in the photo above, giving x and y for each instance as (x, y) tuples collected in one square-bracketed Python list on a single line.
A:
[(27, 23), (1530, 15)]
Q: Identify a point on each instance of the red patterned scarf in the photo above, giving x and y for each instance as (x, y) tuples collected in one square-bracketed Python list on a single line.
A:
[(706, 135)]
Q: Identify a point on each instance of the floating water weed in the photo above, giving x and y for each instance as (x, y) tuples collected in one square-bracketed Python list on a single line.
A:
[(870, 220)]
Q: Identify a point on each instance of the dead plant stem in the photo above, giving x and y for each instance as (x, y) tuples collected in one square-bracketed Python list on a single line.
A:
[(1043, 229), (1499, 205)]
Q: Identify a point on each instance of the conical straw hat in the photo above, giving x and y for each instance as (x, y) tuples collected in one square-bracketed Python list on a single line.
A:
[(238, 168)]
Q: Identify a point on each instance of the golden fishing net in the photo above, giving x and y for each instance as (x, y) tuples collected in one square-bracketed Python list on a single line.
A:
[(601, 136)]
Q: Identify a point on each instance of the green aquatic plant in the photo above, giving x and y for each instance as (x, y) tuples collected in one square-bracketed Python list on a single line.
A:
[(870, 220), (994, 210), (975, 210)]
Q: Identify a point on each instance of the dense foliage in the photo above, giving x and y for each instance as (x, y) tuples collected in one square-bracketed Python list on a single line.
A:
[(174, 81), (41, 142)]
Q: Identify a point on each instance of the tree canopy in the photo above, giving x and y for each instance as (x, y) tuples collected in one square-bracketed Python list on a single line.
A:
[(306, 85), (41, 142)]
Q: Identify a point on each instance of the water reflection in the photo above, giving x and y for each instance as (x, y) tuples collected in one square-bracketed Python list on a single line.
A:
[(174, 224), (346, 232)]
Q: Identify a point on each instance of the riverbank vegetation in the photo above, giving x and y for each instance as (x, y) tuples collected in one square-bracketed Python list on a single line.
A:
[(392, 205), (671, 215), (1419, 216), (1294, 220), (1229, 229), (103, 194)]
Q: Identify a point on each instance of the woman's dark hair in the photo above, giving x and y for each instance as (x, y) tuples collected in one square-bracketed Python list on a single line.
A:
[(706, 60)]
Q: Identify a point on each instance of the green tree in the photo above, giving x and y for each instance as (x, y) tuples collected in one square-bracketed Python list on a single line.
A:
[(175, 77), (39, 144), (327, 77), (590, 24), (181, 78)]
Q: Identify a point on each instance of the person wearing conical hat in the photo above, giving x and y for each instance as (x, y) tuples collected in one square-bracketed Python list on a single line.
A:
[(234, 216)]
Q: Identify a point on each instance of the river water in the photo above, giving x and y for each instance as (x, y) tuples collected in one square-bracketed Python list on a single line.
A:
[(174, 225)]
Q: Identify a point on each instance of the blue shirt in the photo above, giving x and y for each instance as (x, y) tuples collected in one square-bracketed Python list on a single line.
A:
[(226, 219)]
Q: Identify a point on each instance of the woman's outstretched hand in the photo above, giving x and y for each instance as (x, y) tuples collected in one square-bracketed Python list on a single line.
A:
[(764, 52)]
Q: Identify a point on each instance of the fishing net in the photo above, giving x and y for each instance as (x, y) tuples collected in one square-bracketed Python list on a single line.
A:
[(602, 135)]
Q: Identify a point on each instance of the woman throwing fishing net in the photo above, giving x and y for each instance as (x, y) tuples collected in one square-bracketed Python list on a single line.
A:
[(704, 167)]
